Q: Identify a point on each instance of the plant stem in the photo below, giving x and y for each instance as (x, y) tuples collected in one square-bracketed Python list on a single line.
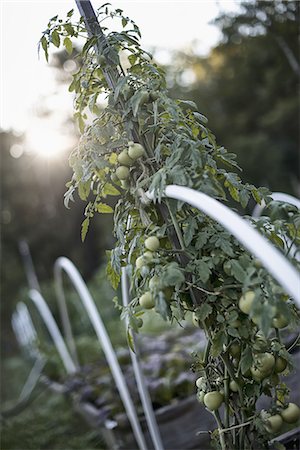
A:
[(226, 395), (220, 429)]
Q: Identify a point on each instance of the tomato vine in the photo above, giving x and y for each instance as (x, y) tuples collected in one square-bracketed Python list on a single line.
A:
[(179, 260)]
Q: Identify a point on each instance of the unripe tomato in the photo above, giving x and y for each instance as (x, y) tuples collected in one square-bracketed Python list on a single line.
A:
[(280, 322), (124, 159), (148, 257), (154, 282), (246, 301), (140, 262), (139, 322), (265, 362), (200, 396), (233, 386), (135, 151), (235, 350), (280, 364), (152, 243), (274, 423), (122, 172), (257, 375), (146, 300), (291, 414), (199, 382), (213, 400)]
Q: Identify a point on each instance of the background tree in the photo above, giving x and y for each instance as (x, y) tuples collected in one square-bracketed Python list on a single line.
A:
[(248, 86)]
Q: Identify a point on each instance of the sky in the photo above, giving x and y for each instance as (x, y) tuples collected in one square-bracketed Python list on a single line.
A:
[(27, 82)]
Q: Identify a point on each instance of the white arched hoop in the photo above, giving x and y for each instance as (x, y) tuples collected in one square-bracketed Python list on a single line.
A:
[(64, 264), (53, 329), (277, 265), (278, 196)]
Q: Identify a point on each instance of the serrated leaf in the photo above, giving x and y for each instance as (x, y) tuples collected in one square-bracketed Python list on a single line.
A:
[(104, 209), (172, 275), (246, 360), (203, 271), (190, 231), (84, 228), (237, 271), (204, 311), (68, 45), (217, 343), (112, 276), (45, 47), (109, 189), (55, 38)]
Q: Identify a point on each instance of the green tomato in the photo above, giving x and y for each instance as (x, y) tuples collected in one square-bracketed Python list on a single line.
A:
[(213, 400), (265, 362), (148, 256), (291, 414), (122, 172), (280, 364), (235, 350), (246, 301), (139, 322), (140, 262), (280, 322), (154, 283), (257, 375), (200, 396), (124, 159), (199, 382), (152, 243), (274, 423), (146, 300), (135, 150), (233, 386)]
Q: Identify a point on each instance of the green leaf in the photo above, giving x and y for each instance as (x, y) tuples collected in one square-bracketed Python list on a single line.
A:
[(246, 360), (190, 231), (237, 271), (189, 103), (233, 332), (112, 276), (203, 271), (109, 189), (68, 45), (204, 311), (104, 209), (55, 38), (45, 47), (256, 195), (172, 275), (217, 343), (84, 228), (70, 13)]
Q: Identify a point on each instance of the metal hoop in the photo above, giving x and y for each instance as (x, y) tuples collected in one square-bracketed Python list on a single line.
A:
[(64, 264), (271, 258)]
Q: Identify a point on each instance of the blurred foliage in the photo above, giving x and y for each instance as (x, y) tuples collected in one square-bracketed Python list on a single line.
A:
[(247, 87)]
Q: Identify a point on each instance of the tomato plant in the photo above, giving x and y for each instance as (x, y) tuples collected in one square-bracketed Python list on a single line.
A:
[(179, 260)]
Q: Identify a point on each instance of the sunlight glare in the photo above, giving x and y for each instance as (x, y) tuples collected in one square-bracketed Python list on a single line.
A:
[(47, 142)]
